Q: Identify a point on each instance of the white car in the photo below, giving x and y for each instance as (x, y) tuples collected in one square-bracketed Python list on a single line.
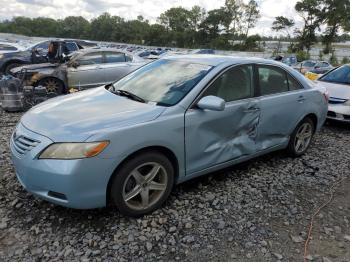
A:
[(337, 83)]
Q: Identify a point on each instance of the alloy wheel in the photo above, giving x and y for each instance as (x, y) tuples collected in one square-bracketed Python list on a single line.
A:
[(145, 185), (52, 85), (303, 137)]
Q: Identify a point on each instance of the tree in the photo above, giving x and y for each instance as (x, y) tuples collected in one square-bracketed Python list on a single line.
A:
[(74, 27), (335, 14), (283, 24), (251, 14), (310, 12), (235, 10), (107, 28)]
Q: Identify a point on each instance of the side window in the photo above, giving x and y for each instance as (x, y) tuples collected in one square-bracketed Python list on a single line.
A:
[(293, 84), (272, 80), (234, 84), (114, 57), (71, 46), (44, 45), (90, 59)]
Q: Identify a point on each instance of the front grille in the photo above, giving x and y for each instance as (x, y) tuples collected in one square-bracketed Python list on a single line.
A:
[(23, 144), (334, 100)]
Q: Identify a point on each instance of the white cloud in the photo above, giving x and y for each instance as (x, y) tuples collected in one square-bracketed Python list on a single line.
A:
[(130, 9)]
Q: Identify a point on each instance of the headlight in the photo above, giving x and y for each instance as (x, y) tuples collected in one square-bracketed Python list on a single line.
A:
[(73, 150)]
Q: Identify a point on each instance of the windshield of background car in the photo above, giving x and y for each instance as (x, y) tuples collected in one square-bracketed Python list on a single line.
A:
[(340, 75), (309, 64), (164, 82)]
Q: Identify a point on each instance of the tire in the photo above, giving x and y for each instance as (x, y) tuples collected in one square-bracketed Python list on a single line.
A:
[(52, 84), (10, 66), (301, 137), (134, 181)]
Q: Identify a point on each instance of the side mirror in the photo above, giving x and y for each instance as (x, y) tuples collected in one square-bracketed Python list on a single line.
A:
[(213, 103)]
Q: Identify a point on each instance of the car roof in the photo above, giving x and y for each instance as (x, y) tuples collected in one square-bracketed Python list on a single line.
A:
[(215, 60)]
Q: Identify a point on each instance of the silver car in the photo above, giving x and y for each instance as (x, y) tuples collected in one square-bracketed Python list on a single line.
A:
[(169, 121), (84, 69)]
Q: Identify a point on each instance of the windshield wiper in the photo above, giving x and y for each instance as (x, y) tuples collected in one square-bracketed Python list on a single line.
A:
[(130, 95)]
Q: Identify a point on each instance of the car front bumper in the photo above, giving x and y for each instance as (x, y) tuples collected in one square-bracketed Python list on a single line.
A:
[(80, 183), (339, 112)]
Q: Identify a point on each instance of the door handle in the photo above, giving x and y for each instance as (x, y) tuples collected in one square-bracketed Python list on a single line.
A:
[(301, 99), (251, 110)]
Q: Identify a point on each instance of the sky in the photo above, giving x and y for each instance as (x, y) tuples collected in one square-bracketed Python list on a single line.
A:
[(130, 9)]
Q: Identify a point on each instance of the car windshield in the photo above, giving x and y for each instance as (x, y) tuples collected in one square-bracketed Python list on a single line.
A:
[(164, 82), (340, 75), (309, 64)]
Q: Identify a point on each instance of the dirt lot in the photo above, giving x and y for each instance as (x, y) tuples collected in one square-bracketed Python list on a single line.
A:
[(257, 211)]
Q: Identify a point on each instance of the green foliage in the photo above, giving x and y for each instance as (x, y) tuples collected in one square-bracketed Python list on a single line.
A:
[(345, 60), (302, 55), (320, 55), (333, 59)]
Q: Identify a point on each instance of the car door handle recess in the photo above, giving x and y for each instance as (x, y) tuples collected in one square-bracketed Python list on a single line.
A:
[(301, 99), (252, 110)]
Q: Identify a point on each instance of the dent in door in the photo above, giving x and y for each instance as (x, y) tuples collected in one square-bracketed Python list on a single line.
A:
[(227, 135)]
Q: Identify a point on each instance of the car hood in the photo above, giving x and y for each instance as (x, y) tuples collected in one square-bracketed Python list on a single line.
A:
[(78, 116), (335, 90), (34, 67)]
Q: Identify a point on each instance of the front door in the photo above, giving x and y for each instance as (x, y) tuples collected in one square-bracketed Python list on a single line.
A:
[(215, 137)]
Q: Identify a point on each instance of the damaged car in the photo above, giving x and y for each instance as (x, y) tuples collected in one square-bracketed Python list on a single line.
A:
[(34, 53), (84, 69), (128, 143)]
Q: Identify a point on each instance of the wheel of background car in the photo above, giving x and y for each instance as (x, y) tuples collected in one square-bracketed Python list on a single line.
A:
[(301, 137), (142, 184), (10, 66), (53, 85)]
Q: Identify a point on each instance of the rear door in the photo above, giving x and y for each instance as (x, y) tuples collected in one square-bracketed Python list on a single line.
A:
[(215, 137), (88, 73), (116, 65), (281, 103)]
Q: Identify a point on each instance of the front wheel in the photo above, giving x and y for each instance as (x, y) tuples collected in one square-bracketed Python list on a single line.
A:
[(142, 184), (301, 137), (52, 85)]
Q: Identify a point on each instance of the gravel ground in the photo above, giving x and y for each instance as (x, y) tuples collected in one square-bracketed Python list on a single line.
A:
[(256, 211)]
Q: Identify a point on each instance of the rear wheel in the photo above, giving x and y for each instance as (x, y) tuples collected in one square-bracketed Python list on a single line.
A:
[(142, 184), (52, 85), (301, 137)]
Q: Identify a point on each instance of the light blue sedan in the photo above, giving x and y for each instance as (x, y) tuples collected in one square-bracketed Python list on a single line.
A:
[(174, 119)]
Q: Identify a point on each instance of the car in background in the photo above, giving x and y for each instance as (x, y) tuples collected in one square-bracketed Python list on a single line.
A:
[(202, 51), (177, 118), (86, 68), (316, 67), (289, 60), (32, 54), (8, 47), (337, 82)]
